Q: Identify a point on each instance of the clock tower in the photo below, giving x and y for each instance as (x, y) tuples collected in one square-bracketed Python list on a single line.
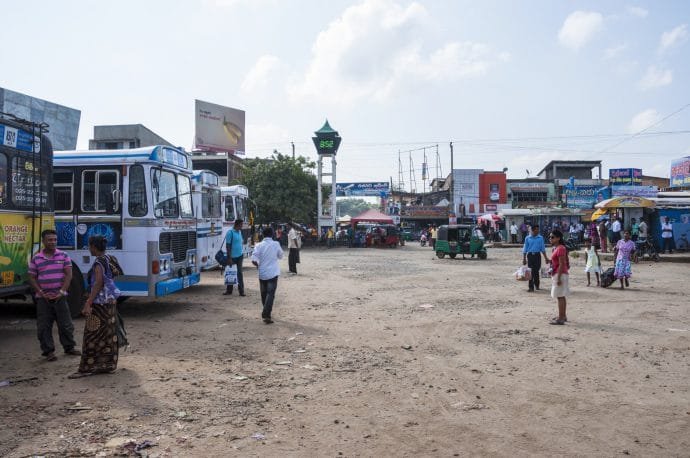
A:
[(326, 142)]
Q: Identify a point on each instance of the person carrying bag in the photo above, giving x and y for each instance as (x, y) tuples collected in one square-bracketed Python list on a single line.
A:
[(235, 256)]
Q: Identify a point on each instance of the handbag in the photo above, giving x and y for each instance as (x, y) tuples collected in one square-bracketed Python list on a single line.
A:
[(221, 257), (230, 275)]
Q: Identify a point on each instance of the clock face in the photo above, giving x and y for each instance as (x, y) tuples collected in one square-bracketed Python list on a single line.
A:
[(325, 144)]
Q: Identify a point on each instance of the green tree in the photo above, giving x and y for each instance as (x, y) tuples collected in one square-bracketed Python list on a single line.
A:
[(283, 188), (353, 207)]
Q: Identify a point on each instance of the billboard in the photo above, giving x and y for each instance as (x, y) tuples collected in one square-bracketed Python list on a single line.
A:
[(466, 192), (635, 191), (625, 177), (375, 189), (680, 172), (218, 128), (583, 196)]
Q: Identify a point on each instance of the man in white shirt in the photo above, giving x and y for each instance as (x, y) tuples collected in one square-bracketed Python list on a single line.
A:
[(667, 235), (513, 233), (616, 229), (642, 231), (294, 244), (265, 258)]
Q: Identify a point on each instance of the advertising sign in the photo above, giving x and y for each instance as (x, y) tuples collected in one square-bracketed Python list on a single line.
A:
[(466, 191), (218, 128), (680, 172), (635, 191), (16, 247), (625, 177), (375, 189), (581, 196)]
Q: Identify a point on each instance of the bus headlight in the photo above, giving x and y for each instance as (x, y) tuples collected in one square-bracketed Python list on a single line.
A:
[(165, 265)]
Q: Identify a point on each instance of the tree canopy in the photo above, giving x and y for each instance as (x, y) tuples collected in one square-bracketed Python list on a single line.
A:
[(353, 207), (283, 188)]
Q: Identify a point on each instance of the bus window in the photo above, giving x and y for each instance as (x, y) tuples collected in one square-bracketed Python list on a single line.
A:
[(3, 180), (210, 203), (137, 192), (24, 190), (229, 209), (63, 187), (184, 187), (164, 194), (241, 209), (103, 200)]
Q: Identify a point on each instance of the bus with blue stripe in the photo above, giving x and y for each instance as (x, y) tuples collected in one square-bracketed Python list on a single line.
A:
[(237, 205), (209, 219), (140, 200)]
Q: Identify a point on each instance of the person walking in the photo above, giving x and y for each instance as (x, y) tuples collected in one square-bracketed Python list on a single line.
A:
[(100, 309), (623, 252), (294, 245), (50, 274), (616, 229), (513, 232), (603, 236), (667, 235), (432, 233), (265, 258), (532, 251), (234, 245), (559, 268), (592, 261)]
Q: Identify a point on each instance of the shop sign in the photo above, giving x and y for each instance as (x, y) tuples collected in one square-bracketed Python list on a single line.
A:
[(376, 189), (680, 172), (625, 177), (635, 191)]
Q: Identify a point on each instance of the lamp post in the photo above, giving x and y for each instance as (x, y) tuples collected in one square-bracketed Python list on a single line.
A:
[(326, 142)]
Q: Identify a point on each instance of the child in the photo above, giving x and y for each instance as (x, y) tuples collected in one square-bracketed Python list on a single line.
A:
[(593, 261)]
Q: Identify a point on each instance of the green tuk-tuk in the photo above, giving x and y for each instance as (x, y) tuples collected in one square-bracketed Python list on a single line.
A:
[(457, 239)]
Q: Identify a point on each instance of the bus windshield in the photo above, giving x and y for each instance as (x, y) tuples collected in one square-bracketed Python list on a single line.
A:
[(164, 194), (184, 186), (229, 208)]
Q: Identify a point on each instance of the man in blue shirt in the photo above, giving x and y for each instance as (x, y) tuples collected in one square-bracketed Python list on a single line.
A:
[(531, 255), (234, 246)]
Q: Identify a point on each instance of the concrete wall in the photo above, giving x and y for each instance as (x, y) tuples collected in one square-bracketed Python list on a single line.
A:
[(63, 121)]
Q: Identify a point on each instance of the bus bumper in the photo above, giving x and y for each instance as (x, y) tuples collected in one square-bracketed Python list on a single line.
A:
[(166, 287)]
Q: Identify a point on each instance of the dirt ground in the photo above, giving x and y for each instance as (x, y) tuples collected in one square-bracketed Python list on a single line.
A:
[(374, 352)]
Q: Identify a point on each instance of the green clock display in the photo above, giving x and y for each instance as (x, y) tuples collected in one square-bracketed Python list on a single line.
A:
[(323, 144)]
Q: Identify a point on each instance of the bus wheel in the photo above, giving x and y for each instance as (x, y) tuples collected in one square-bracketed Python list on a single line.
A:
[(76, 293)]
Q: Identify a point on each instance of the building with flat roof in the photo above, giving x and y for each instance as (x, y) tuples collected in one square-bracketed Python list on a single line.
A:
[(62, 121), (123, 136), (566, 169)]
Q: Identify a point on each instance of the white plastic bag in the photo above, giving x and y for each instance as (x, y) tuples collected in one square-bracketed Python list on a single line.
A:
[(523, 273), (231, 274)]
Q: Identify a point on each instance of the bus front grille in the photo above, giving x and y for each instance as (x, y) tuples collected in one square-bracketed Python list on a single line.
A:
[(177, 243)]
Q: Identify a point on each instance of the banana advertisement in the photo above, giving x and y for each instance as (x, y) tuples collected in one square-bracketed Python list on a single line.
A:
[(218, 128), (15, 245)]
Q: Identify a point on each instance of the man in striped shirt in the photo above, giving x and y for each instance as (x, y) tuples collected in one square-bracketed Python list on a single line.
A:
[(50, 273)]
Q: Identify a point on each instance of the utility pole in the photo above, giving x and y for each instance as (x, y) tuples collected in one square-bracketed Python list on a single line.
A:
[(293, 150), (452, 181)]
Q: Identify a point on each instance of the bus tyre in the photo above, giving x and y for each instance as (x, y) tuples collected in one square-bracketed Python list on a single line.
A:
[(76, 293), (440, 254)]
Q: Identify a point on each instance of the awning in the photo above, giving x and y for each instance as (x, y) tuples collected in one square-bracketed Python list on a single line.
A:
[(626, 202), (598, 213)]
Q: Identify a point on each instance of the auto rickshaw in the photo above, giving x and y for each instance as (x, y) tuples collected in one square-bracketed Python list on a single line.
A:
[(385, 235), (457, 239)]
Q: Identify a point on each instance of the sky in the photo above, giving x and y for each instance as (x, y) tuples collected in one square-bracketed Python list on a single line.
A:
[(513, 84)]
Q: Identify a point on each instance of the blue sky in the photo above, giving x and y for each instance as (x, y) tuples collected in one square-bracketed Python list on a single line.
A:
[(512, 83)]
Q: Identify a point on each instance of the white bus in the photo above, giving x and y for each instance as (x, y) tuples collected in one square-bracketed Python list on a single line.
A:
[(236, 205), (140, 200), (209, 219)]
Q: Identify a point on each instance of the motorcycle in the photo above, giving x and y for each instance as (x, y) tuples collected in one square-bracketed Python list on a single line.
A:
[(645, 248)]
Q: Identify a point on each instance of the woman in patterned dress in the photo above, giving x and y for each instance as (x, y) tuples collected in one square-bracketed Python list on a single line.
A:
[(623, 252), (100, 347)]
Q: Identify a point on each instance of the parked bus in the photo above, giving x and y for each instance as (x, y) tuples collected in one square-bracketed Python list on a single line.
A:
[(236, 205), (141, 201), (26, 204), (209, 219)]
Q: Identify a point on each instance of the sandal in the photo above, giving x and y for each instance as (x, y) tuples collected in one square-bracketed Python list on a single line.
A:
[(557, 321), (80, 375)]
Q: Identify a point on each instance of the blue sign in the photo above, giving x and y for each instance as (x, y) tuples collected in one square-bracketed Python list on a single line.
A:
[(625, 177), (635, 191), (19, 139), (581, 196), (376, 189)]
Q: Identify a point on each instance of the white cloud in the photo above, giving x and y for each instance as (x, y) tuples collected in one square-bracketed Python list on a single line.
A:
[(674, 37), (259, 76), (579, 28), (643, 120), (265, 137), (655, 77), (637, 11), (614, 51), (375, 47)]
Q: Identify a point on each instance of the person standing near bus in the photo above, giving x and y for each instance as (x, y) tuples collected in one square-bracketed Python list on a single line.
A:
[(234, 247), (294, 244), (532, 251), (50, 273), (265, 257)]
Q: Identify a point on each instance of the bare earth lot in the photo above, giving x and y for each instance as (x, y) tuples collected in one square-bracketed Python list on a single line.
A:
[(387, 352)]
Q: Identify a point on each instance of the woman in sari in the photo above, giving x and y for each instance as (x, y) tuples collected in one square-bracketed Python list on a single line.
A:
[(100, 347), (623, 252)]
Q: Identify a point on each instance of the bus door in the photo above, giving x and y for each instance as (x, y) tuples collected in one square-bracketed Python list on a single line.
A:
[(100, 211)]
